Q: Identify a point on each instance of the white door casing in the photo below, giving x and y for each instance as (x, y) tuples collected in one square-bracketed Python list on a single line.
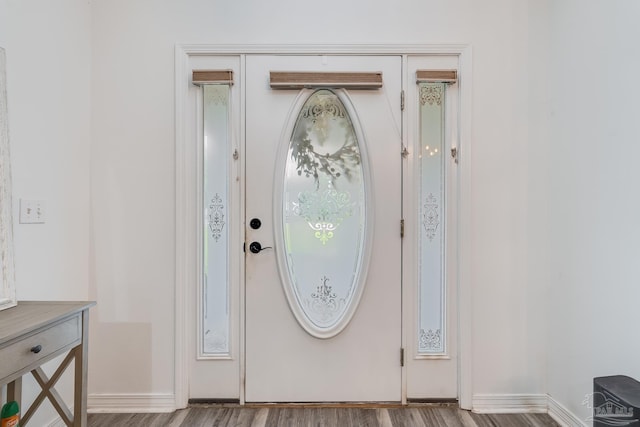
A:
[(189, 58)]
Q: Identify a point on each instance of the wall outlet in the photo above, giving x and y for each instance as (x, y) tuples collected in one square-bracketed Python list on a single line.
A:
[(32, 211)]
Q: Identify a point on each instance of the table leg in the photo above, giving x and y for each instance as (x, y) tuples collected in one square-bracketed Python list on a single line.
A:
[(80, 386), (14, 391)]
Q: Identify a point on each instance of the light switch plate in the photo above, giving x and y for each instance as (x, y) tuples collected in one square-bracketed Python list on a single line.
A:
[(32, 211)]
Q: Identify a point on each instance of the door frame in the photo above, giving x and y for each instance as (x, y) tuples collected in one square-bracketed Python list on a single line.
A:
[(186, 196)]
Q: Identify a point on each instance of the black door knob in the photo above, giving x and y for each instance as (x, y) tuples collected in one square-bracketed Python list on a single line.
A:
[(36, 349), (256, 247), (255, 223)]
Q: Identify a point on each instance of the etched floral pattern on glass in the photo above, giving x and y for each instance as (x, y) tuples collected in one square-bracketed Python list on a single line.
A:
[(432, 291), (215, 240), (323, 209)]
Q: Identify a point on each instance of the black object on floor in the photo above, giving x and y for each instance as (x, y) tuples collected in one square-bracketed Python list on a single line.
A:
[(616, 401)]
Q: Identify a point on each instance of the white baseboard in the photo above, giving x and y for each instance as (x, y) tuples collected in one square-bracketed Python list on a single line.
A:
[(482, 404), (129, 403), (509, 403), (562, 415), (57, 422), (124, 403), (525, 403)]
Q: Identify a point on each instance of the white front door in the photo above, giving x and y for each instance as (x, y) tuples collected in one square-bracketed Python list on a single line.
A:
[(323, 200)]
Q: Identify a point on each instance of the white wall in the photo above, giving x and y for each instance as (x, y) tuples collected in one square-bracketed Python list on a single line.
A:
[(592, 224), (48, 59), (535, 192), (554, 141), (133, 165), (553, 145)]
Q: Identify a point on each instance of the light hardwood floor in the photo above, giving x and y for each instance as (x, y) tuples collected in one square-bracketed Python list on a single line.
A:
[(284, 416)]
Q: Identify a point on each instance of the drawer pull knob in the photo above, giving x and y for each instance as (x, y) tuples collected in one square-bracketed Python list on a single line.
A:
[(36, 349)]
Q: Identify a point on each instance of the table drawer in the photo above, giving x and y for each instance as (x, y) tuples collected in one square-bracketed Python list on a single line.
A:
[(17, 355)]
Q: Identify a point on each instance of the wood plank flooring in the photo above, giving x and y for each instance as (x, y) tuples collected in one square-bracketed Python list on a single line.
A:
[(347, 416)]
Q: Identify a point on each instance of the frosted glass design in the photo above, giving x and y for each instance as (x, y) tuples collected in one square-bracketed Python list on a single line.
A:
[(431, 328), (324, 210), (324, 219), (215, 293)]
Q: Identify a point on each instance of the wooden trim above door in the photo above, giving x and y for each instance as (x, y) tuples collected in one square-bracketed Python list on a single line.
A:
[(306, 79)]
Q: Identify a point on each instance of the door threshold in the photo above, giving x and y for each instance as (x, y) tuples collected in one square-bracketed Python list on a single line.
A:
[(316, 405), (213, 402), (438, 402)]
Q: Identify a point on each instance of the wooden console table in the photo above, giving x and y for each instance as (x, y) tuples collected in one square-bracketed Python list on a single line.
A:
[(31, 334)]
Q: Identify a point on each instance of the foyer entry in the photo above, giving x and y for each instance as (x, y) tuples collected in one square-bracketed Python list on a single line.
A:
[(326, 261)]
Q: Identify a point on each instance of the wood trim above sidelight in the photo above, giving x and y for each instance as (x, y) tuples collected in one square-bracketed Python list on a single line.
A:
[(439, 76), (203, 77)]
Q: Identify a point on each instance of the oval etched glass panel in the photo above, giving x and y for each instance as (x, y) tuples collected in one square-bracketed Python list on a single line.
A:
[(324, 215)]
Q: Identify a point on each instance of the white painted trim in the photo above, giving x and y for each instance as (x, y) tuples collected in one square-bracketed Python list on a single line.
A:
[(183, 240), (465, 232), (482, 404), (131, 403), (328, 49), (184, 214), (58, 422), (525, 403), (241, 270), (509, 403), (562, 415), (405, 300)]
